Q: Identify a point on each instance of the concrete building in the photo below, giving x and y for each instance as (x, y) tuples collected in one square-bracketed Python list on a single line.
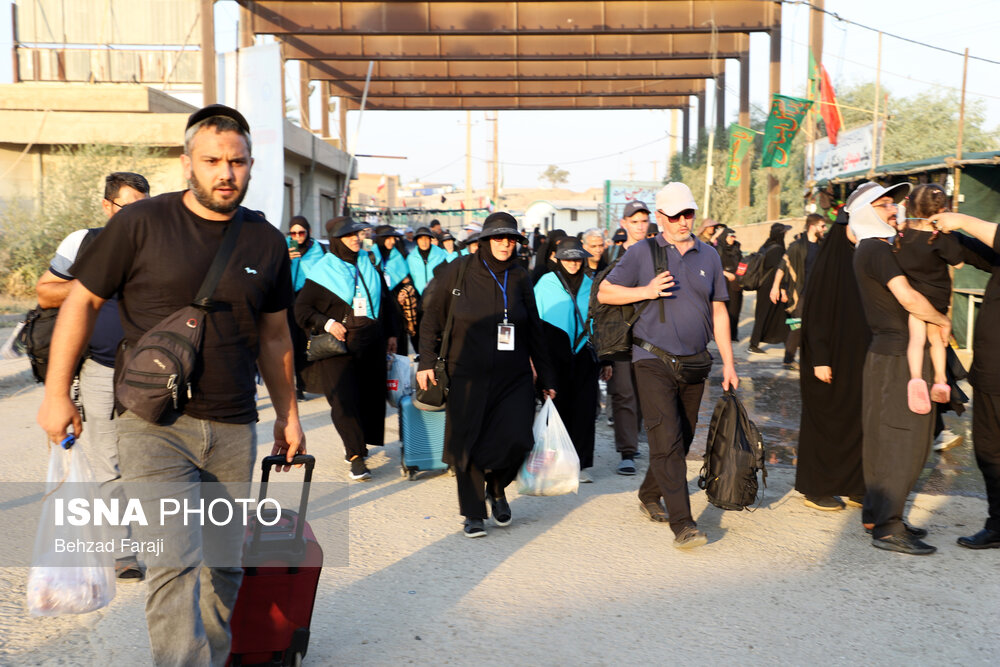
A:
[(38, 119), (571, 216)]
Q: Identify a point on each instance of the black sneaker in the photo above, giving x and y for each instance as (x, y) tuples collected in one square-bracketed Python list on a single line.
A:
[(913, 531), (359, 470), (753, 349), (500, 510), (127, 570), (474, 528), (824, 503), (626, 467), (904, 544)]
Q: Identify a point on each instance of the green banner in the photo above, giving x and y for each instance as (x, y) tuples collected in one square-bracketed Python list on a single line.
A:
[(740, 141), (782, 125)]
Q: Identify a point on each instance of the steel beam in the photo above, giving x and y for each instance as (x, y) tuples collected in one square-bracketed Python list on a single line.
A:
[(513, 47), (486, 17), (507, 70), (504, 103), (522, 88)]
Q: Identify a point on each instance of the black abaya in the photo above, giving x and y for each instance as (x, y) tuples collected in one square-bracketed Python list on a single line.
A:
[(835, 334), (769, 318), (731, 255)]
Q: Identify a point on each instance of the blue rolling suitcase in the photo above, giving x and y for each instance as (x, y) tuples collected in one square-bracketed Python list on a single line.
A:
[(422, 436)]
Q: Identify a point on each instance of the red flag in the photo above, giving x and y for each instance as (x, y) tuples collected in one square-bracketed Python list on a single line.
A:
[(462, 204), (828, 109)]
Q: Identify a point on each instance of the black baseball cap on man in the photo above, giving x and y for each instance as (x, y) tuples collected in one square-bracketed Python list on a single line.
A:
[(633, 207), (217, 110)]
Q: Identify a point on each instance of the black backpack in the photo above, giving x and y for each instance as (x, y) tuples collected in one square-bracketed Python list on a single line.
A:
[(734, 453), (35, 336), (750, 272), (610, 327)]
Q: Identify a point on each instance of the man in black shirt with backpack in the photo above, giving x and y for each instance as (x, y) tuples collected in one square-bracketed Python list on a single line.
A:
[(155, 254)]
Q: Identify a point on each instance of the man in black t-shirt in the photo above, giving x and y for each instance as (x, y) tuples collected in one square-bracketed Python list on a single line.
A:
[(790, 278), (155, 254), (896, 441)]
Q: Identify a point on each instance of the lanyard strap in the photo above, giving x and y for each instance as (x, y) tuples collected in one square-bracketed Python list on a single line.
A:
[(503, 287), (357, 274)]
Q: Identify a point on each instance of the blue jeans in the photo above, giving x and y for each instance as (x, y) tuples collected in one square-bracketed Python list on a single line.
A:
[(188, 608)]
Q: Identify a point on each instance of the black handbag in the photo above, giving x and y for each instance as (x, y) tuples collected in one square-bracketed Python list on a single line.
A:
[(324, 346), (433, 398)]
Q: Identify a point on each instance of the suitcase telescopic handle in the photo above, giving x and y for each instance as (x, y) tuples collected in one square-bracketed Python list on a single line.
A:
[(277, 460)]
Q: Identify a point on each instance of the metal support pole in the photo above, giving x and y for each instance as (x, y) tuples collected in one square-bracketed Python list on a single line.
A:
[(720, 101), (686, 135), (773, 185), (208, 85), (324, 108), (701, 120), (304, 96), (246, 28), (956, 195), (743, 192)]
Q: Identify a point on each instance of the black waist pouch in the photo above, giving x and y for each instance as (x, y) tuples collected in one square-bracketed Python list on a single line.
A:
[(689, 369)]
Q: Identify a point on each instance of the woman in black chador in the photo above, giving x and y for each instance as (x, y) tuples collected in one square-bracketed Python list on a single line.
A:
[(731, 255), (835, 338), (346, 296), (496, 334), (769, 318)]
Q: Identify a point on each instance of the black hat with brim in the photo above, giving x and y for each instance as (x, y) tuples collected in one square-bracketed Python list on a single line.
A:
[(619, 235), (424, 231), (340, 227), (571, 249), (383, 231), (217, 110), (501, 223)]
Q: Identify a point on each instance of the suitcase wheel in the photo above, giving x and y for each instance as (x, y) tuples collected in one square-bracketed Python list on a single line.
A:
[(297, 651)]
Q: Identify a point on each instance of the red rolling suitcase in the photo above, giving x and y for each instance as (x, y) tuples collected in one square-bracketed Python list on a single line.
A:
[(281, 566)]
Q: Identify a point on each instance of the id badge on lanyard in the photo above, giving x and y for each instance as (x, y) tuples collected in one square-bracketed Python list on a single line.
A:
[(359, 303), (505, 337)]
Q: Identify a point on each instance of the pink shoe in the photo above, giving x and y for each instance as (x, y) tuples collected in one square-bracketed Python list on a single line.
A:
[(917, 397), (940, 393)]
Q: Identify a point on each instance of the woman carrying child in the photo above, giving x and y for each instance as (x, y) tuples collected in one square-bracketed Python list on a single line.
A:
[(924, 255)]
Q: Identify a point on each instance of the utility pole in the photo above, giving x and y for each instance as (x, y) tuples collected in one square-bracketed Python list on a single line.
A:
[(816, 48), (655, 163), (495, 164), (878, 80), (773, 185), (468, 168), (956, 196), (673, 139)]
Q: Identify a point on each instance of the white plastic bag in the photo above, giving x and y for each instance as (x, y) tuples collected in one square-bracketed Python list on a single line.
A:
[(401, 379), (552, 468), (60, 581)]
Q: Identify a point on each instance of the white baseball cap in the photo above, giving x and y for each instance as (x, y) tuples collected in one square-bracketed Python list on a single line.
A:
[(674, 198)]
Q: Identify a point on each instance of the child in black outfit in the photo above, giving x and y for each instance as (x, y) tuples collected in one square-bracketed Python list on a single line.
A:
[(924, 255)]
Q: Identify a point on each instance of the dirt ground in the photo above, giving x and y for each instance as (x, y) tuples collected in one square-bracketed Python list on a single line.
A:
[(581, 579)]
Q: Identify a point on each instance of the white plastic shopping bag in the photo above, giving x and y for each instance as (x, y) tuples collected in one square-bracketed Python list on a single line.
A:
[(75, 581), (401, 379), (552, 468)]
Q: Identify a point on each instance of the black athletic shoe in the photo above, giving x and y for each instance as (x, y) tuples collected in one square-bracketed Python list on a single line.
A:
[(910, 530), (753, 349), (474, 528), (904, 544), (500, 510), (359, 471)]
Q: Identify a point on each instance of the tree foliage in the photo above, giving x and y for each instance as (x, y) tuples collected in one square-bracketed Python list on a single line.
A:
[(918, 127), (554, 175), (69, 200)]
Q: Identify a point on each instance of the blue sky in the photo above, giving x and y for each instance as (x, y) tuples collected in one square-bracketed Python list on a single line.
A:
[(598, 145)]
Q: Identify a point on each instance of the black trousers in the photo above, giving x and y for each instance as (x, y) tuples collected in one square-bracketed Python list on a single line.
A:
[(986, 444), (299, 340), (896, 441), (576, 402), (792, 344), (733, 307), (354, 386), (624, 408), (474, 484), (670, 411)]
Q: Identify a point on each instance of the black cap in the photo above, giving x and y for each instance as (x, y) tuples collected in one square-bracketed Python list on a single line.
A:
[(344, 226), (447, 236), (778, 227), (619, 236), (634, 207), (652, 229), (501, 223), (217, 110), (571, 248), (382, 231)]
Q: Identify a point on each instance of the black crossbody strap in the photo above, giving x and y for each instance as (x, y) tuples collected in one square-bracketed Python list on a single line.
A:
[(455, 291), (203, 299)]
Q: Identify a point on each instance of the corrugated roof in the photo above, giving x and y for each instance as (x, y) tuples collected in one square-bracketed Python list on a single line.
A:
[(918, 166)]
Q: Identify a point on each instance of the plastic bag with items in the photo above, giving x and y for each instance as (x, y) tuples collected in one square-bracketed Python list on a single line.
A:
[(64, 581), (401, 380), (552, 468)]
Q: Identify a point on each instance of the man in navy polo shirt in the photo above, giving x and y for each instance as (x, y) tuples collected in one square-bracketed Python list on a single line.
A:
[(686, 309)]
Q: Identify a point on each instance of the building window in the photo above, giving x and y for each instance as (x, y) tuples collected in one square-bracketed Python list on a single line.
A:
[(327, 206), (289, 201), (572, 215)]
